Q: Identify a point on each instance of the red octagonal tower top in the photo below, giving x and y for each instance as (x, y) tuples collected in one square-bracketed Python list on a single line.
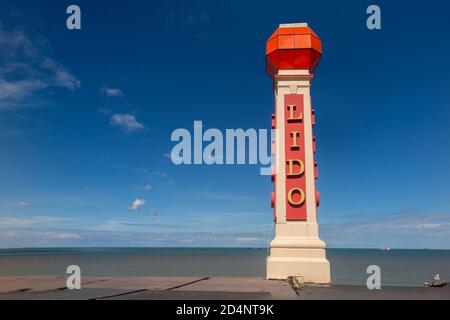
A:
[(293, 46)]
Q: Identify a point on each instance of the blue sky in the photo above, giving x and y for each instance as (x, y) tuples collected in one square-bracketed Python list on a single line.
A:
[(86, 118)]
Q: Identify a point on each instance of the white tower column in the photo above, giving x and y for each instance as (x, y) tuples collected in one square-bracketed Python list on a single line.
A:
[(296, 250)]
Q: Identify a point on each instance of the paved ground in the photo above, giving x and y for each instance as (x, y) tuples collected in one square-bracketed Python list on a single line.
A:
[(362, 293), (194, 288)]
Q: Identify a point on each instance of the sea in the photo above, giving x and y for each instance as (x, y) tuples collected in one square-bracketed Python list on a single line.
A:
[(348, 266)]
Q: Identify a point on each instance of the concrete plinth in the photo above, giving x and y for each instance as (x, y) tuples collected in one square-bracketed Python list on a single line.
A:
[(292, 255), (308, 270)]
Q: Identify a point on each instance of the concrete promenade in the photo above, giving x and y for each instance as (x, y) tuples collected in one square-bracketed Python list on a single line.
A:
[(196, 288)]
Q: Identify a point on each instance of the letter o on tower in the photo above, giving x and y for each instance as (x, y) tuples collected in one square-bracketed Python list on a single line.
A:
[(291, 197)]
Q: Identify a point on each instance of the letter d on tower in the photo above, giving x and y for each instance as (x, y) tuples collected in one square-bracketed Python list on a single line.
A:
[(292, 54)]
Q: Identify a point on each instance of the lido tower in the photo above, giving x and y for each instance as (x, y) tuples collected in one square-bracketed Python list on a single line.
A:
[(292, 54)]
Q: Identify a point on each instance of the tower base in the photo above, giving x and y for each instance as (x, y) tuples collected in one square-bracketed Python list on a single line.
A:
[(301, 257), (308, 270)]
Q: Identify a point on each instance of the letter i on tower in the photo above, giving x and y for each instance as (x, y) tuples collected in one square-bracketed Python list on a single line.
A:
[(292, 55)]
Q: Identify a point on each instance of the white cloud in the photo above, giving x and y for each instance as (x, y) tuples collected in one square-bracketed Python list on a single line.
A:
[(112, 92), (132, 226), (407, 229), (136, 204), (105, 111), (126, 122), (247, 239), (59, 235), (160, 174), (13, 222), (118, 233), (26, 69), (429, 226), (12, 93), (62, 78), (23, 203)]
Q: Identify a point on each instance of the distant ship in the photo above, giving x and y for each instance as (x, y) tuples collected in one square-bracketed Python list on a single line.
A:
[(386, 249)]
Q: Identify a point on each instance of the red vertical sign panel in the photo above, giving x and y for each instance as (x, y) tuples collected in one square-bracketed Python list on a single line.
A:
[(294, 138)]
